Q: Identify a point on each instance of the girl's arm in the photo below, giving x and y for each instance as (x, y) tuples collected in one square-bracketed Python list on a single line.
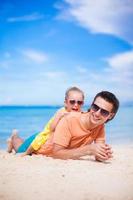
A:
[(57, 118)]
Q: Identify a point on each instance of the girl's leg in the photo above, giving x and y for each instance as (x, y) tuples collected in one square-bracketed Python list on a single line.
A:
[(14, 141), (9, 141), (9, 145)]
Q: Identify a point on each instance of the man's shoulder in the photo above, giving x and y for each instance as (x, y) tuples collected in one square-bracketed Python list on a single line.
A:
[(73, 115)]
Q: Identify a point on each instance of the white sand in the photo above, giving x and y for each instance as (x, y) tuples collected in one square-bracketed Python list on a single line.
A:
[(40, 177)]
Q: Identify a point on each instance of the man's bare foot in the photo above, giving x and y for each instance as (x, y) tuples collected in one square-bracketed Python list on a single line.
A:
[(9, 145)]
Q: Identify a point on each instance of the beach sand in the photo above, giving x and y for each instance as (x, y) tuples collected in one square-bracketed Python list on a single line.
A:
[(40, 177)]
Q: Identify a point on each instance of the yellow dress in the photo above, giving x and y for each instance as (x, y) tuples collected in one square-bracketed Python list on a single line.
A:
[(42, 137)]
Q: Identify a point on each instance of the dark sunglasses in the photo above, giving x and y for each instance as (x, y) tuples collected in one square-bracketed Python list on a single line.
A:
[(72, 102), (103, 112)]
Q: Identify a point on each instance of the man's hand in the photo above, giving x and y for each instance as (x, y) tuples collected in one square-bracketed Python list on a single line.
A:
[(101, 151)]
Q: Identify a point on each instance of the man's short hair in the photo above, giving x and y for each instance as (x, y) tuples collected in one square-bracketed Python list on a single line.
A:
[(109, 97)]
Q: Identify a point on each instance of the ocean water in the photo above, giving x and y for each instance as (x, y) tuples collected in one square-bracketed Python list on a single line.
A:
[(30, 120)]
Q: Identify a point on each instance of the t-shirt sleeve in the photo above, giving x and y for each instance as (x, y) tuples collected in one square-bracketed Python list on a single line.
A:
[(100, 135), (62, 134)]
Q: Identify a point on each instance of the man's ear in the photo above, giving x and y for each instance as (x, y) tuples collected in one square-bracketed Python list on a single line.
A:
[(111, 115)]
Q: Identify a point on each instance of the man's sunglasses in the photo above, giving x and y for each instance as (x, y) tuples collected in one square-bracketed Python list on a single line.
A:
[(103, 112), (72, 102)]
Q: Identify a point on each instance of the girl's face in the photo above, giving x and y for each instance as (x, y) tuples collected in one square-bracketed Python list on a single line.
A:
[(74, 101)]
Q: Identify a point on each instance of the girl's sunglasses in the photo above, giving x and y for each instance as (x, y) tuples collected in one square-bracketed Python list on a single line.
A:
[(103, 112), (72, 102)]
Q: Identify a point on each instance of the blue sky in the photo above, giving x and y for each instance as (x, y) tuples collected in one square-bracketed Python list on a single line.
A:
[(48, 46)]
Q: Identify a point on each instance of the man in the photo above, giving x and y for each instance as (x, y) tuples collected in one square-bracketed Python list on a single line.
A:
[(81, 134)]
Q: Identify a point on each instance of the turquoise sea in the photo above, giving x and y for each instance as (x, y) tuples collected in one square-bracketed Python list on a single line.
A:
[(31, 119)]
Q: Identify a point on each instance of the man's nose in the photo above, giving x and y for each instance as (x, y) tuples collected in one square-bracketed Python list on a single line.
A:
[(98, 112)]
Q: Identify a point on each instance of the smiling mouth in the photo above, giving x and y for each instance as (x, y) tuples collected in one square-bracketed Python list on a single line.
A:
[(95, 118), (74, 109)]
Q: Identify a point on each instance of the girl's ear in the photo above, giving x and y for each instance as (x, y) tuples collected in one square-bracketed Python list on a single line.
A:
[(65, 103)]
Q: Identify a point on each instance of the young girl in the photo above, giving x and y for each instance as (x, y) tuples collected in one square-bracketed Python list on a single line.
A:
[(74, 99)]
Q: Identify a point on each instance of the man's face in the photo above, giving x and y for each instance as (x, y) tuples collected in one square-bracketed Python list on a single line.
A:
[(74, 101), (101, 111)]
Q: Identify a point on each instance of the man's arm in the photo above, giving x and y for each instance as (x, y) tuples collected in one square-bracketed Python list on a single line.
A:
[(99, 150)]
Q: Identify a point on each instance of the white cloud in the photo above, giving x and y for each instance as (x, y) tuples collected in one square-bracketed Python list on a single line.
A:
[(121, 68), (53, 74), (122, 61), (103, 16), (81, 69), (36, 56), (50, 85), (32, 17), (116, 76)]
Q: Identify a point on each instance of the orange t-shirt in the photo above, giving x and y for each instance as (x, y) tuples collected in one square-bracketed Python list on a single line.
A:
[(71, 133)]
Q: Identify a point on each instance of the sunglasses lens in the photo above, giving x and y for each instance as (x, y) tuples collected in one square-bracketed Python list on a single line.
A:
[(103, 112), (73, 102), (79, 102), (94, 107)]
